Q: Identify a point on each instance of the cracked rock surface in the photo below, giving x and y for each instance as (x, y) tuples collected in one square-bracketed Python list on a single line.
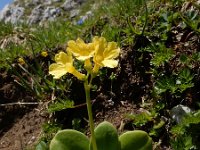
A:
[(38, 12)]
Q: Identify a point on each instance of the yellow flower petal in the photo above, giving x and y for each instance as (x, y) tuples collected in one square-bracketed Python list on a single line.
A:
[(80, 49), (63, 65), (21, 61), (96, 69), (57, 70), (80, 43), (100, 44), (44, 54), (63, 58), (110, 63), (83, 58), (88, 65), (105, 53), (112, 51), (77, 74), (73, 47)]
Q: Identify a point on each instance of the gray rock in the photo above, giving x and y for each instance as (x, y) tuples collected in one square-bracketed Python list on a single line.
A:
[(85, 17), (31, 3), (79, 1), (40, 10), (69, 5), (74, 13), (12, 14), (57, 0), (35, 1), (47, 2), (178, 112), (36, 15), (17, 14), (50, 13), (5, 13)]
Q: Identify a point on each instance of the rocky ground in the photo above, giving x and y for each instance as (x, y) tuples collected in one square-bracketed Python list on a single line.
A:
[(38, 12), (21, 128)]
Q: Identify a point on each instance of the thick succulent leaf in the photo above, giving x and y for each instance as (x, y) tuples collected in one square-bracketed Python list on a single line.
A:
[(41, 146), (106, 137), (69, 140), (135, 140)]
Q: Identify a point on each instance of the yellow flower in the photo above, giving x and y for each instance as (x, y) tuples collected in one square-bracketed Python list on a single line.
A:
[(44, 53), (80, 49), (21, 61), (88, 65), (63, 65), (105, 53)]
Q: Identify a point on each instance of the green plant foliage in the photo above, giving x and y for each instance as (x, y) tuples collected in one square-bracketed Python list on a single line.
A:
[(106, 137), (157, 128), (185, 80), (196, 56), (60, 105), (191, 19), (69, 140), (140, 119), (123, 8), (188, 120), (164, 84), (6, 29), (187, 133), (135, 140), (184, 59), (76, 125), (120, 13), (33, 85), (49, 130), (112, 33), (51, 36), (161, 55), (183, 142), (174, 84), (41, 146)]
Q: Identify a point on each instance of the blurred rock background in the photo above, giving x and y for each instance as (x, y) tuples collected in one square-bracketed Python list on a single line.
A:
[(40, 11)]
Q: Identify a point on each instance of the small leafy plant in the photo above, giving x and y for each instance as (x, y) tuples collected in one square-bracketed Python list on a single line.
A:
[(95, 55), (186, 133)]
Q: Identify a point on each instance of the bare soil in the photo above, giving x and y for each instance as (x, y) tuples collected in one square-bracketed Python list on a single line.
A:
[(22, 130)]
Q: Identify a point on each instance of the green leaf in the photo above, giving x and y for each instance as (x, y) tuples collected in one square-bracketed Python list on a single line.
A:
[(184, 59), (196, 56), (141, 118), (165, 83), (162, 55), (135, 140), (186, 75), (61, 105), (190, 22), (69, 140), (41, 146), (106, 137)]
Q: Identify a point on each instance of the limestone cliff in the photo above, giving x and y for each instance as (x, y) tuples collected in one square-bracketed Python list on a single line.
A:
[(40, 11)]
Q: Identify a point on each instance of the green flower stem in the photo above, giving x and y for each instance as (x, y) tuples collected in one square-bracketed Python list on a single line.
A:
[(89, 108)]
